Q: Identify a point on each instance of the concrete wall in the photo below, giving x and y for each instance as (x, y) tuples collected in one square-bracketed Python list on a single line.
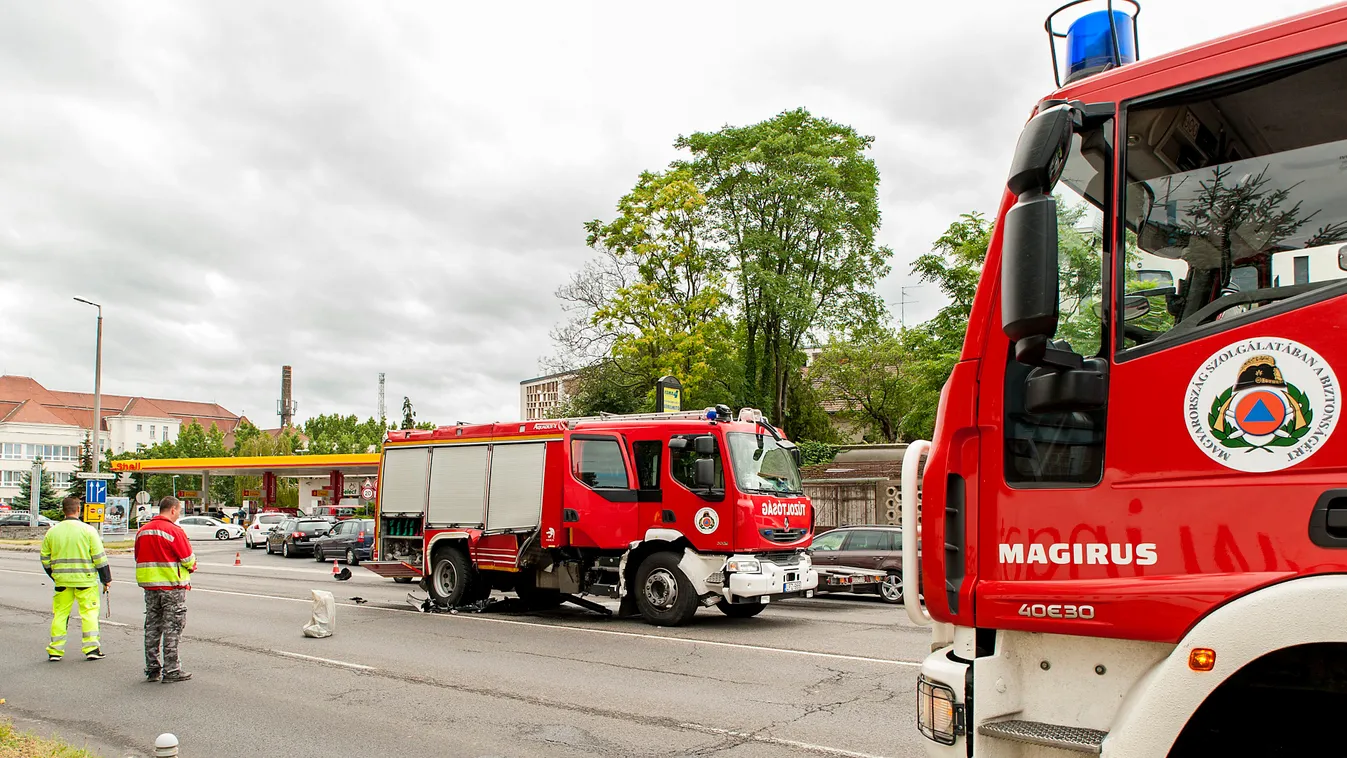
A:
[(21, 533), (847, 502)]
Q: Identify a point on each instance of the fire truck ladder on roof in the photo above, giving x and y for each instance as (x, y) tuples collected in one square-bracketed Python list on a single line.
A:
[(676, 416)]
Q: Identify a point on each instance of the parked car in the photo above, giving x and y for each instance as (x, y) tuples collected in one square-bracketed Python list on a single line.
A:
[(205, 527), (256, 534), (335, 512), (877, 548), (16, 518), (352, 539), (295, 536)]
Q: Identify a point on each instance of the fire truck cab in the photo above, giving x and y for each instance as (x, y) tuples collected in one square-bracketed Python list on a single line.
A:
[(1135, 501), (665, 512)]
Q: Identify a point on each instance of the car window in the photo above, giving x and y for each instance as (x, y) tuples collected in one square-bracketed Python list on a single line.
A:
[(272, 519), (829, 541), (868, 540)]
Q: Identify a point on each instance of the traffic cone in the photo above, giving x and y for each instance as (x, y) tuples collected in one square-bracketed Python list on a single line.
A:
[(334, 567), (237, 561)]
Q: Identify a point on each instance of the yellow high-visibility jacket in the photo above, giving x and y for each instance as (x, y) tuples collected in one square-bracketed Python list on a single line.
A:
[(73, 556)]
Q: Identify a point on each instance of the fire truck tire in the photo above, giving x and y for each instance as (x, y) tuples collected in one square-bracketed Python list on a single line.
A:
[(663, 595), (741, 610), (450, 576)]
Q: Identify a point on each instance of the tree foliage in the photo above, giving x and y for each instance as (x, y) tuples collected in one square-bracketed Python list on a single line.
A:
[(868, 374), (409, 417), (334, 433)]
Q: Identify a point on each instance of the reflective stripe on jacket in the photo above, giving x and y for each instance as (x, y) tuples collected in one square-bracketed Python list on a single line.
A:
[(164, 559), (73, 556)]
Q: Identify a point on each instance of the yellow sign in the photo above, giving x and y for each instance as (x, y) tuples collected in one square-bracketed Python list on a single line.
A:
[(186, 494), (93, 513), (322, 493), (673, 400), (251, 493)]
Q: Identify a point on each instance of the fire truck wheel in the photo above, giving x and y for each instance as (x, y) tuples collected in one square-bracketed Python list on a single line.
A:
[(891, 589), (450, 576), (663, 595), (740, 610), (402, 579)]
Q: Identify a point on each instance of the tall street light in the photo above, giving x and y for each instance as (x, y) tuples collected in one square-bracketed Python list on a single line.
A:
[(98, 389)]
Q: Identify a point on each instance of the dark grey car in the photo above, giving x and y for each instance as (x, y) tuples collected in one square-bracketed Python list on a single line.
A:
[(872, 547)]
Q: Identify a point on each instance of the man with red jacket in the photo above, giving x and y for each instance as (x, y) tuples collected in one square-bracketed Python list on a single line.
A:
[(164, 564)]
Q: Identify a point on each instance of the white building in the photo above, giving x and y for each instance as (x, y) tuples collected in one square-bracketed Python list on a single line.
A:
[(540, 397), (39, 423)]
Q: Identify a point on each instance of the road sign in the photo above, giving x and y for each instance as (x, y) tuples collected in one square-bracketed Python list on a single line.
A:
[(250, 493), (96, 491), (143, 497), (95, 475), (93, 512), (322, 493), (367, 492)]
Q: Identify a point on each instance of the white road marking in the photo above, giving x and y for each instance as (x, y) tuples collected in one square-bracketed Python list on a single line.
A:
[(328, 661), (107, 622), (779, 741), (584, 629)]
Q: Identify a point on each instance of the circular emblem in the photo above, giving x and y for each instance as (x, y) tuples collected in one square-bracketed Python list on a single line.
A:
[(1262, 404), (707, 520)]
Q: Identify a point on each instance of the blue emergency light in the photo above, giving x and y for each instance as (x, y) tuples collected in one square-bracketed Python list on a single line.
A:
[(1096, 41)]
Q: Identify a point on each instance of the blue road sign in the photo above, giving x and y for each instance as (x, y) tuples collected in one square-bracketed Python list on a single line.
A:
[(95, 491)]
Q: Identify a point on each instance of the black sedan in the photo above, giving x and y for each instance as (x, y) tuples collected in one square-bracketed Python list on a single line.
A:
[(295, 536), (352, 540)]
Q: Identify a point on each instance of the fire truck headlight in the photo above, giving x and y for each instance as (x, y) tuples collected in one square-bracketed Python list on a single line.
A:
[(939, 717), (743, 566)]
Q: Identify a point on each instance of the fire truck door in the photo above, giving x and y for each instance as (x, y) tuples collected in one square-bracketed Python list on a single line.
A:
[(599, 497)]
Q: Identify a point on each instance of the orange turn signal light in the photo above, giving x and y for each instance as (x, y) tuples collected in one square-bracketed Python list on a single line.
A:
[(1202, 659)]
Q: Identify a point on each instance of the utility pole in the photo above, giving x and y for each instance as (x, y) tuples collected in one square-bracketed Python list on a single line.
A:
[(98, 389), (902, 303)]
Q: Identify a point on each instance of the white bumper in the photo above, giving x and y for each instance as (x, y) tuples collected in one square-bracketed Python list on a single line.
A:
[(773, 579)]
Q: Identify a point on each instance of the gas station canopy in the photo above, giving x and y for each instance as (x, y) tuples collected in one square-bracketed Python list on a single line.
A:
[(363, 464)]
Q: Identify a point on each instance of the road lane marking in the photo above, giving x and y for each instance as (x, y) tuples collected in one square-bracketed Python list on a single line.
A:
[(587, 630), (108, 622), (779, 741), (316, 659)]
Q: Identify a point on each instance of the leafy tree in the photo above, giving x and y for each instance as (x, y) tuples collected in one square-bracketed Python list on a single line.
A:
[(329, 434), (409, 417), (602, 388), (47, 496), (807, 419), (794, 200), (667, 316), (867, 374), (813, 452)]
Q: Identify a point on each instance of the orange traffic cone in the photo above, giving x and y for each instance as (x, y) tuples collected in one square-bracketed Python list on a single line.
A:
[(237, 561), (334, 567)]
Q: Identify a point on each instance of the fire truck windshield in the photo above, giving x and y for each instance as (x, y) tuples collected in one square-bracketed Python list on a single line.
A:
[(1235, 194), (761, 465)]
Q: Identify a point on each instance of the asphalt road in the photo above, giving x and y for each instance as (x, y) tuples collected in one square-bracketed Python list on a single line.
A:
[(832, 676)]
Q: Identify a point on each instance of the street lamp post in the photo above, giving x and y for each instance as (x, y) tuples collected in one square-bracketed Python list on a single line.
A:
[(98, 389)]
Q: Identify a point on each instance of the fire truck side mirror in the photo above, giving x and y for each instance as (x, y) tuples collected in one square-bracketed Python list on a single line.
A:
[(705, 473), (705, 445)]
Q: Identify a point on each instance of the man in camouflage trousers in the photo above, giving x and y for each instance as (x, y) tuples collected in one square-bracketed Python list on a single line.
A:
[(164, 564)]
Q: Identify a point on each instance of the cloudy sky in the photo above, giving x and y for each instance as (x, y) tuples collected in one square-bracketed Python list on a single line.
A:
[(356, 187)]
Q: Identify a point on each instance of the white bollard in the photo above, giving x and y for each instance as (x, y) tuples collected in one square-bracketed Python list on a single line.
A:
[(165, 746)]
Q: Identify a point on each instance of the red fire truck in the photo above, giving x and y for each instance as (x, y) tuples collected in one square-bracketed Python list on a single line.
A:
[(666, 512), (1135, 501)]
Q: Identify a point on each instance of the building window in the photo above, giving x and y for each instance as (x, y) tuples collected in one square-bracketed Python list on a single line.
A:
[(165, 434), (11, 478), (60, 479), (138, 428), (151, 431), (12, 451)]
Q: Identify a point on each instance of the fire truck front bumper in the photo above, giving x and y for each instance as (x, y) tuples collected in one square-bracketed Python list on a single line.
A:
[(759, 579)]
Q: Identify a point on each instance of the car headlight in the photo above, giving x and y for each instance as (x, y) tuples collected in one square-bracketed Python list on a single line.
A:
[(743, 566), (939, 717)]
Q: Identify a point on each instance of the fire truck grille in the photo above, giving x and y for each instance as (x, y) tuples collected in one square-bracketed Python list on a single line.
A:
[(784, 535), (781, 558)]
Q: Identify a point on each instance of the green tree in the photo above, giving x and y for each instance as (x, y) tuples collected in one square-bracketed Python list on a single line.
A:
[(930, 350), (669, 315), (602, 388), (867, 374), (48, 497), (334, 433), (794, 199)]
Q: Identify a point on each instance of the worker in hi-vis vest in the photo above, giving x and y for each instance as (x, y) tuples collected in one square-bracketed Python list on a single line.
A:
[(73, 556)]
